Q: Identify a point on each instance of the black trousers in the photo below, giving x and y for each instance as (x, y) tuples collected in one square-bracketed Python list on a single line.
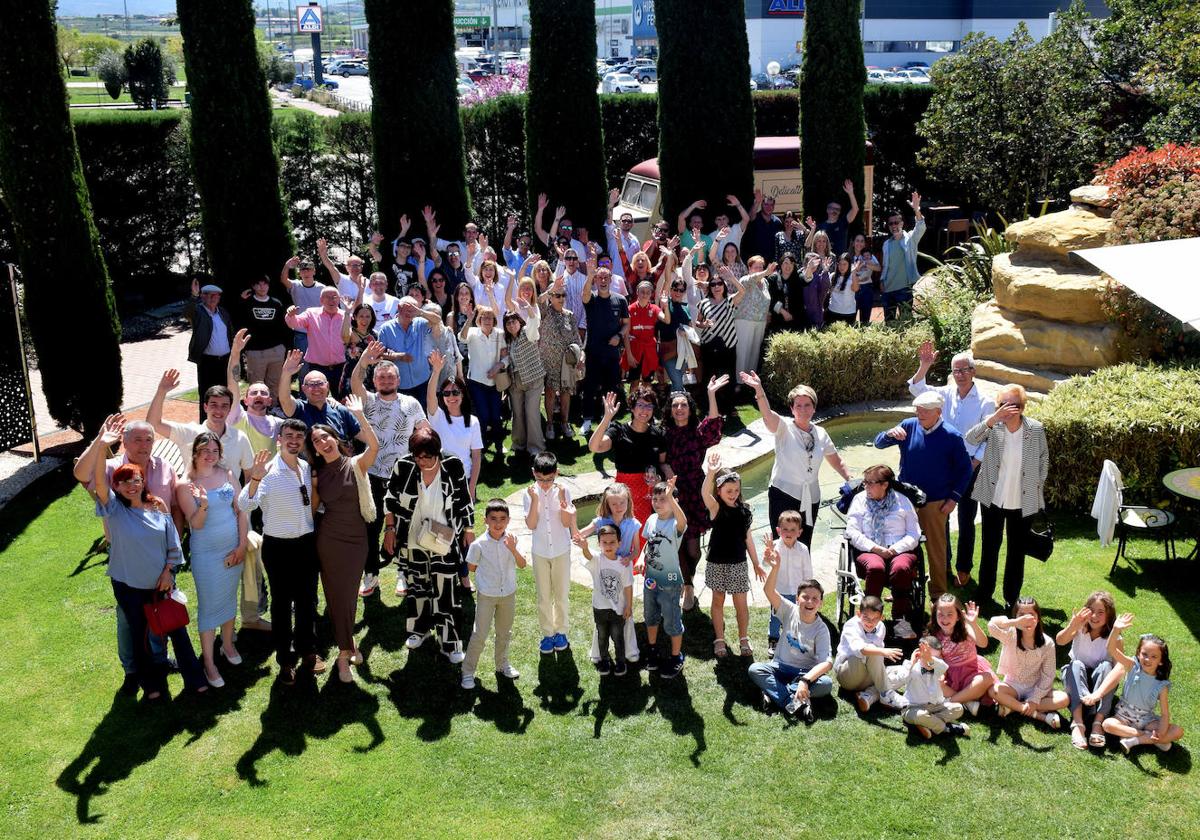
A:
[(717, 359), (292, 567), (377, 557), (995, 521), (966, 510), (210, 371), (603, 375), (778, 502), (610, 625)]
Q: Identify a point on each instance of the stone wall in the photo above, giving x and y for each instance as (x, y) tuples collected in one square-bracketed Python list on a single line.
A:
[(1045, 322)]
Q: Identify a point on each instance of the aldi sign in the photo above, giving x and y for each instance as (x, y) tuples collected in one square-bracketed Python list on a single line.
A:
[(308, 19), (783, 8)]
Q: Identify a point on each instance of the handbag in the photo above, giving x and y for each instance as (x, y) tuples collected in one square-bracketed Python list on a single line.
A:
[(1039, 542), (502, 380), (366, 502), (164, 614), (434, 537)]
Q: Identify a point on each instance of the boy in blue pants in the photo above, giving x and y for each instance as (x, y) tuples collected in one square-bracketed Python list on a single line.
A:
[(663, 532)]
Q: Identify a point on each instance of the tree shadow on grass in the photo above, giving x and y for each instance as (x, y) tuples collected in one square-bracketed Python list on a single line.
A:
[(558, 683), (132, 733), (673, 701), (1165, 579), (32, 502), (622, 697), (296, 713)]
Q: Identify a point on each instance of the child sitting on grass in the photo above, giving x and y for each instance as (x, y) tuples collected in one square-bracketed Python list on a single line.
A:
[(612, 596), (928, 710), (1027, 663), (494, 559), (664, 579), (861, 660), (970, 675), (1146, 686), (804, 657), (795, 566)]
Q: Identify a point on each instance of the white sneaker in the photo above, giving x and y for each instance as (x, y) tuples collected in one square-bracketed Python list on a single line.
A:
[(866, 699), (586, 431), (903, 630), (1129, 743), (415, 641), (972, 706), (510, 672), (467, 681), (456, 656), (369, 582), (1053, 720), (401, 585), (894, 700)]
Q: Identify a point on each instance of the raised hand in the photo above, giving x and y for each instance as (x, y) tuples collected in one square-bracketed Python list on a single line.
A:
[(732, 200), (1081, 617), (897, 433), (292, 262), (713, 462), (771, 268), (483, 242), (562, 498), (1124, 622), (291, 363), (510, 542), (114, 426), (436, 361), (716, 383), (701, 204), (322, 248), (610, 405), (673, 243), (542, 201), (614, 196), (770, 555), (428, 215), (1025, 621), (262, 465), (927, 354), (199, 494), (405, 224), (510, 222), (915, 203), (971, 610), (419, 250), (810, 223), (169, 380), (240, 340), (848, 186), (559, 212), (353, 403)]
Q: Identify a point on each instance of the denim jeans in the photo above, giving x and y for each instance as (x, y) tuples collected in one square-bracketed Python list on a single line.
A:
[(610, 625), (152, 676), (675, 375), (158, 650), (773, 630), (662, 604), (485, 400), (780, 682), (1079, 680), (897, 304)]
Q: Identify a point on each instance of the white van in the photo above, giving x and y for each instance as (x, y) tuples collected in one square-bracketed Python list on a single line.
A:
[(776, 173)]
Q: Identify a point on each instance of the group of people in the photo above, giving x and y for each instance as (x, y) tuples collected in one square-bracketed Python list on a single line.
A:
[(286, 489)]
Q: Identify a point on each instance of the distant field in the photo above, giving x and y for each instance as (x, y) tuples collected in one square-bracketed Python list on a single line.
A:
[(99, 96)]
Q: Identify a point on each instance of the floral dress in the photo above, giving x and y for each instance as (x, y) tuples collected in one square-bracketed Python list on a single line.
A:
[(557, 333), (686, 446)]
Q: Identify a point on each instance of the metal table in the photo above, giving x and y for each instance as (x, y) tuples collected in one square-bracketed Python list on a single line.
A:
[(1185, 483)]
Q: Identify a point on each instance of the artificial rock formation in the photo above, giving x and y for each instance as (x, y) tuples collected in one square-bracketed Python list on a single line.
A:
[(1045, 322)]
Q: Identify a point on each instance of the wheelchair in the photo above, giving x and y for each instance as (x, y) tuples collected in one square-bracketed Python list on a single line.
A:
[(850, 588)]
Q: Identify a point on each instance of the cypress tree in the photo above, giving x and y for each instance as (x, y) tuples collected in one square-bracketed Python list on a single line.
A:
[(832, 125), (416, 129), (237, 174), (41, 180), (705, 112), (564, 140)]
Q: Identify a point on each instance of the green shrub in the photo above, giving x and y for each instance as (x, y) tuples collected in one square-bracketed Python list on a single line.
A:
[(946, 306), (494, 139), (630, 132), (844, 364), (1146, 420)]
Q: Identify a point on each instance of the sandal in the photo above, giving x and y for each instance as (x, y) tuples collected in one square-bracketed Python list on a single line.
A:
[(1096, 739), (720, 649), (744, 646), (1078, 740)]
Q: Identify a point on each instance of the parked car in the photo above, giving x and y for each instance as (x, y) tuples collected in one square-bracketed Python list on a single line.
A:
[(917, 65), (351, 68), (477, 74), (912, 77), (305, 80), (885, 77), (645, 73), (620, 83), (766, 82)]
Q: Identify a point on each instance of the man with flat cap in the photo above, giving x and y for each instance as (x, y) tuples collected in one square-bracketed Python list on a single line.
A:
[(212, 334), (934, 458)]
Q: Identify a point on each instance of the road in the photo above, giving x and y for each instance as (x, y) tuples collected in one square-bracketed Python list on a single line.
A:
[(358, 88)]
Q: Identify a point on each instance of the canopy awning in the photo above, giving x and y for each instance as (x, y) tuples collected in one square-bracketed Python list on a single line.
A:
[(1165, 273)]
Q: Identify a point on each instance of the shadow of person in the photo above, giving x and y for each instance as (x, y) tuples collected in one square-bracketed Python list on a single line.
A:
[(298, 712), (1177, 761), (673, 701), (98, 549), (504, 707), (558, 683), (426, 688), (385, 629), (620, 696), (946, 742), (698, 635), (733, 676)]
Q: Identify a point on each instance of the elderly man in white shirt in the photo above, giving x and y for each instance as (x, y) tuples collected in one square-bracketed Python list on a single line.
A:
[(282, 487), (964, 408), (883, 526)]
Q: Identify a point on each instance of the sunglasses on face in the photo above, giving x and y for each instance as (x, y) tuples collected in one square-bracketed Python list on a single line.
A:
[(558, 294), (572, 259), (627, 221), (564, 227), (452, 392)]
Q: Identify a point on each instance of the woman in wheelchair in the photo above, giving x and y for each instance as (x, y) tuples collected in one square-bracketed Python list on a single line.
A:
[(882, 525)]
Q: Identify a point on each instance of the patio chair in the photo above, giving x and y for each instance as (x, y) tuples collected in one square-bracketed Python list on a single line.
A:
[(1134, 520)]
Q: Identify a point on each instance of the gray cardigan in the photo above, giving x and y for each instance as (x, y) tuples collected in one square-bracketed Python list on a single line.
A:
[(1035, 463)]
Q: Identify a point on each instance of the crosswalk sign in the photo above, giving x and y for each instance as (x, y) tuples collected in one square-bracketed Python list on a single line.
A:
[(309, 18)]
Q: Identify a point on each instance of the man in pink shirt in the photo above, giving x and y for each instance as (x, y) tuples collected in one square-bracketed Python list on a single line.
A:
[(323, 324)]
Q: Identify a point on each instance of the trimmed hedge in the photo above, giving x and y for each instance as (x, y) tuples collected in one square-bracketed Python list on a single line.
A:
[(494, 139), (1146, 420), (832, 130), (246, 231), (844, 364), (705, 115), (68, 301), (564, 142), (416, 129)]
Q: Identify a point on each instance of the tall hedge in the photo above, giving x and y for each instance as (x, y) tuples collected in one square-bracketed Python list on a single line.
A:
[(68, 302), (705, 114), (237, 175), (832, 129), (494, 137), (564, 143), (418, 137)]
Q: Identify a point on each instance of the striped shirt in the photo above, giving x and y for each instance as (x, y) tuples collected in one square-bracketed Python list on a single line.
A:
[(285, 515), (721, 314), (526, 360)]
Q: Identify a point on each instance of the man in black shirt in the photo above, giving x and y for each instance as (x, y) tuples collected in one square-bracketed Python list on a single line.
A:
[(607, 334), (270, 336), (760, 232), (836, 225)]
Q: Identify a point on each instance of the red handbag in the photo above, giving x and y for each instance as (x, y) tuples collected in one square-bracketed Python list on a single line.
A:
[(164, 614)]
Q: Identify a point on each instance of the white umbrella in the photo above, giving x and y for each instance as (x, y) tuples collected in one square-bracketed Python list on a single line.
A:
[(1165, 273)]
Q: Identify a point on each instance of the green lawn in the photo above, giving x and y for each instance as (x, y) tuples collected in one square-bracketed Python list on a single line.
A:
[(560, 754), (99, 96)]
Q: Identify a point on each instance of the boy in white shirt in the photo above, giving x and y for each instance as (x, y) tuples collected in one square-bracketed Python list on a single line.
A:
[(612, 596), (494, 559), (795, 566), (861, 660), (550, 517), (928, 709)]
